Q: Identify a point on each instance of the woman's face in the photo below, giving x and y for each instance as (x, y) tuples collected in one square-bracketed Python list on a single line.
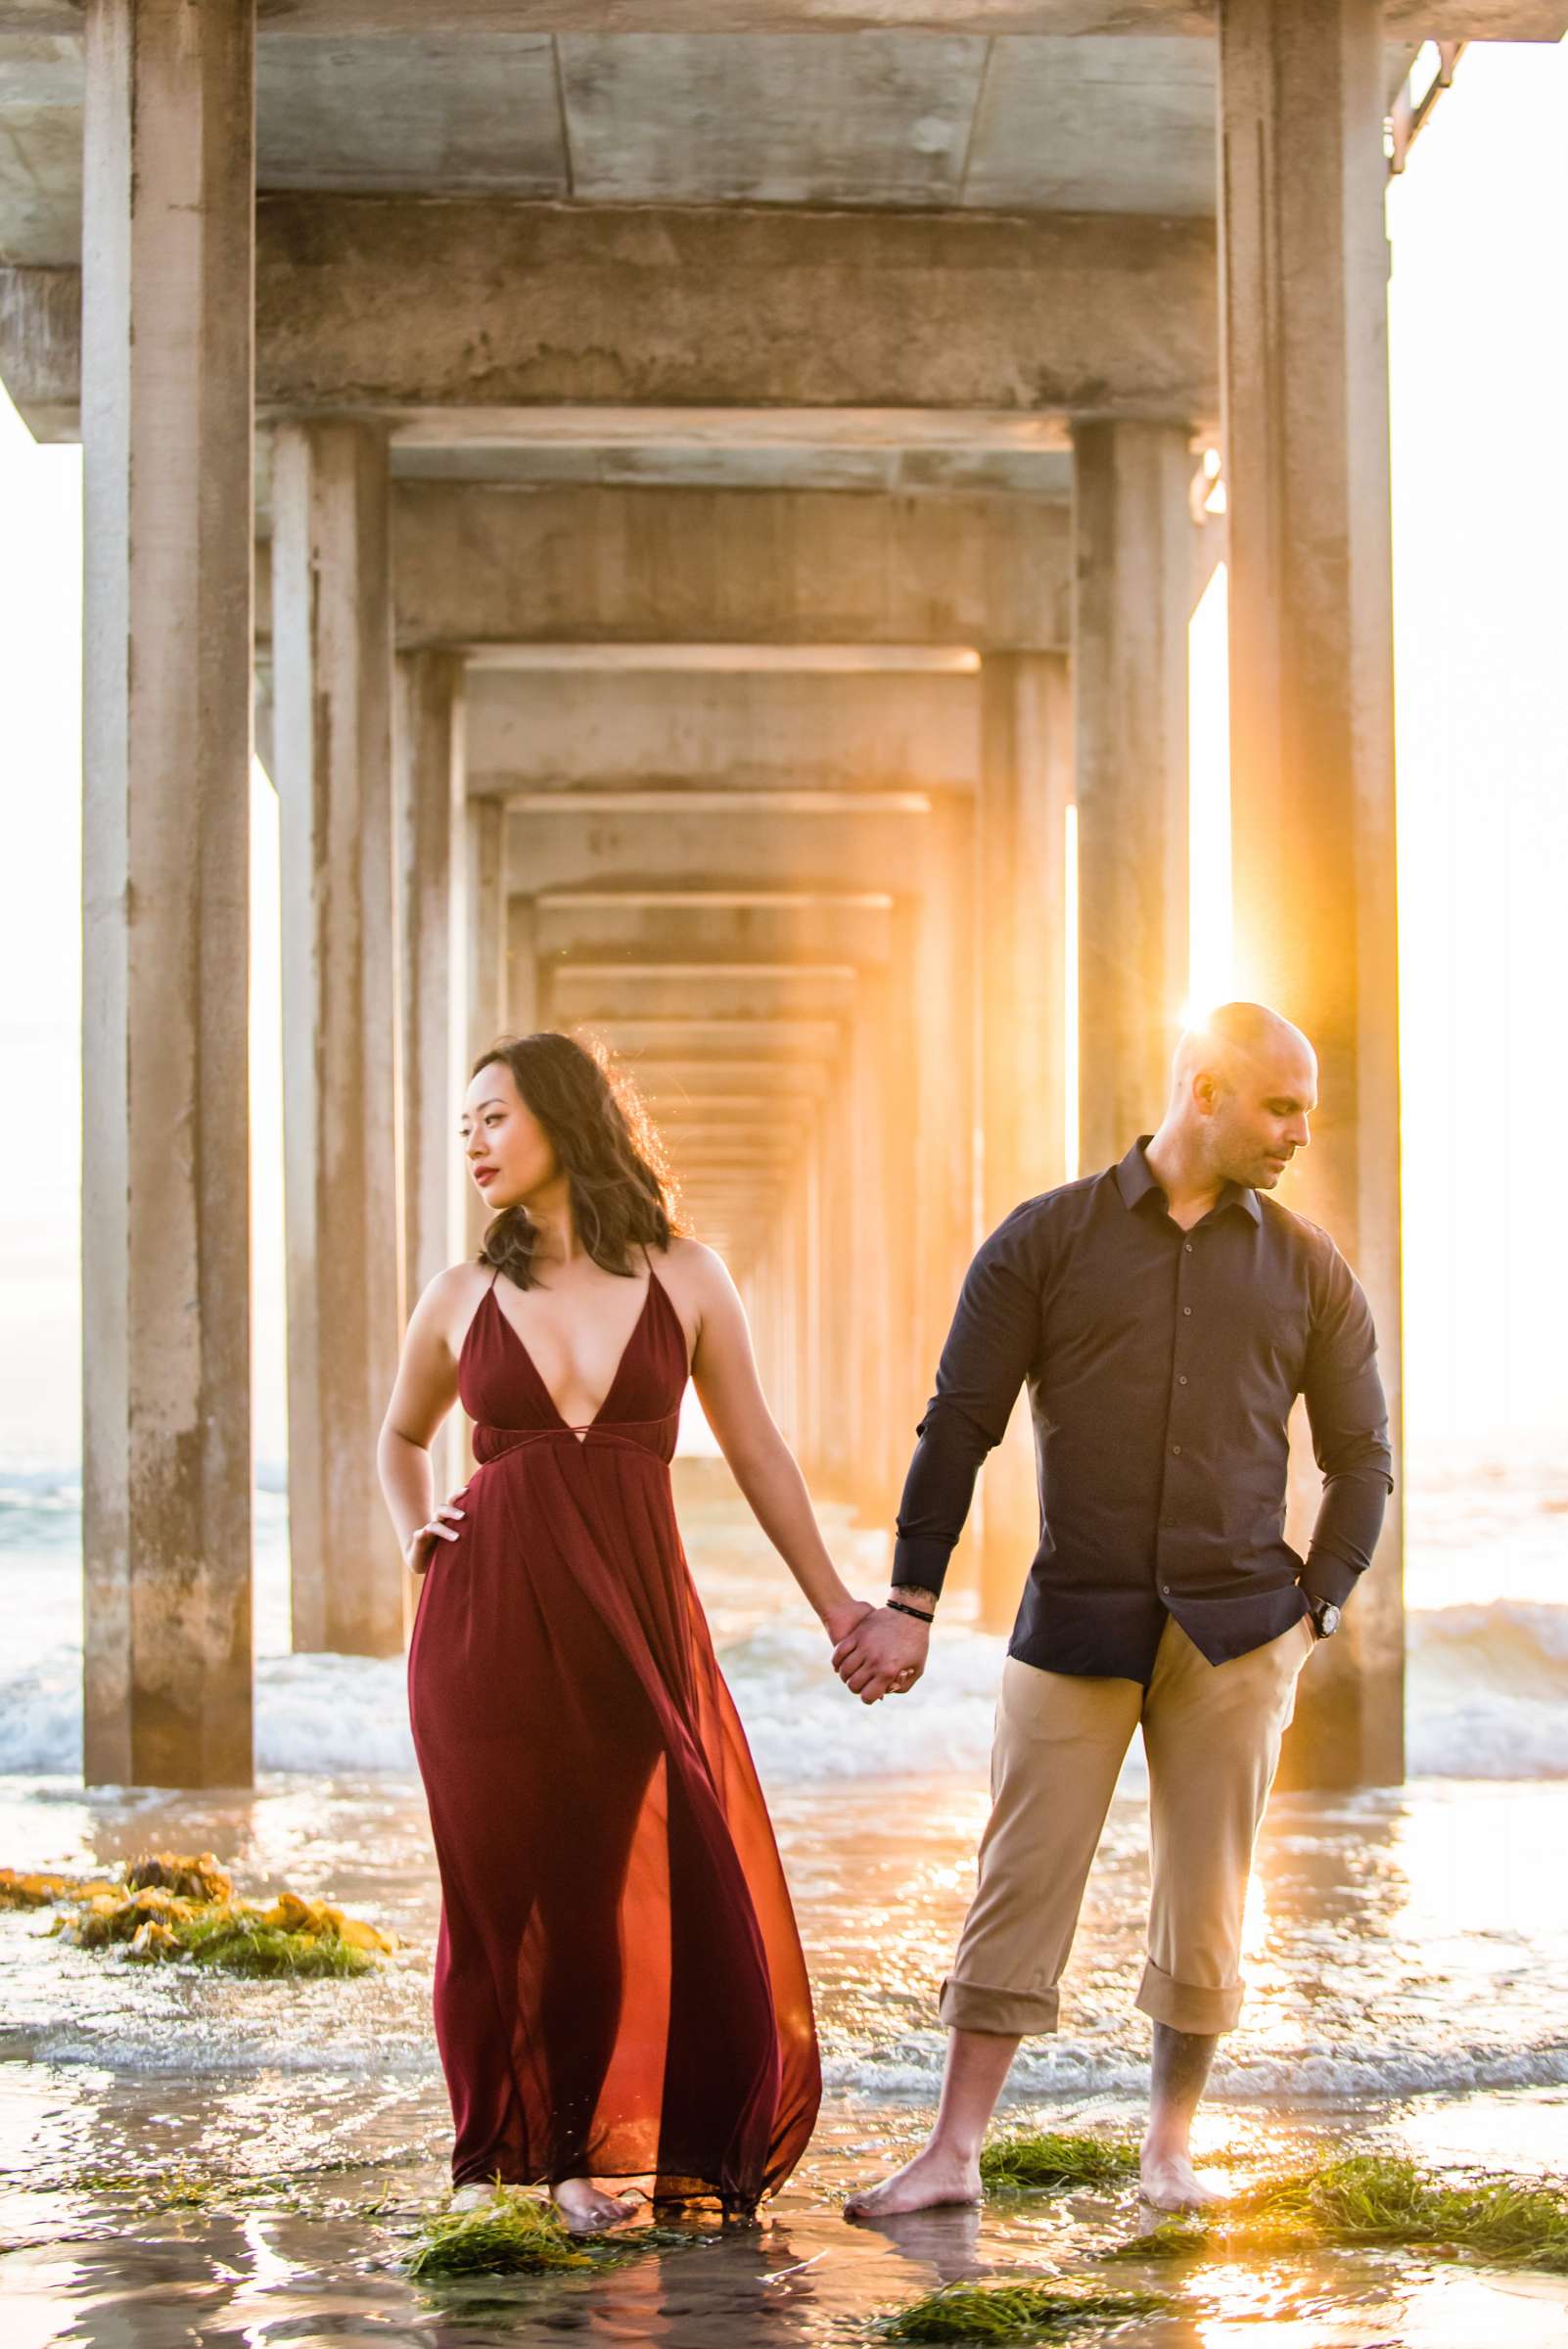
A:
[(508, 1152)]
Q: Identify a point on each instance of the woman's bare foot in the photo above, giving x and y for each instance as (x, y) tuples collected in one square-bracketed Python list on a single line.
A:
[(587, 2210), (470, 2197), (934, 2178), (1169, 2183)]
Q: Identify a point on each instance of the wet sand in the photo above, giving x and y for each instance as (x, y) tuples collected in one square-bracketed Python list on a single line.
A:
[(189, 2159)]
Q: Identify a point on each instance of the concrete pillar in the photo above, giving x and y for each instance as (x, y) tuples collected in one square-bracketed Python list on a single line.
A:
[(873, 1254), (168, 264), (332, 661), (1026, 785), (1133, 528), (485, 927), (522, 966), (811, 1303), (429, 771), (1304, 311), (840, 1342)]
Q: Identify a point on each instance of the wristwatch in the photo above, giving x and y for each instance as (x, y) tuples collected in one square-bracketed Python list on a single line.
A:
[(1325, 1617)]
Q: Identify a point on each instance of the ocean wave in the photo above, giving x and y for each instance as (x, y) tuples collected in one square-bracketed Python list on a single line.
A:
[(1059, 2071), (1487, 1698)]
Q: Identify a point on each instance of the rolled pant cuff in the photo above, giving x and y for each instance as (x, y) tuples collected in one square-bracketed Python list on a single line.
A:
[(1186, 2007), (1006, 2013)]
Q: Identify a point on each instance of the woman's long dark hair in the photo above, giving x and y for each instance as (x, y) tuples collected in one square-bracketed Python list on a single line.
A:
[(605, 1145)]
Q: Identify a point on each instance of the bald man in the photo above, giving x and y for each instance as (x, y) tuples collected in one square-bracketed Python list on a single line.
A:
[(1165, 1315)]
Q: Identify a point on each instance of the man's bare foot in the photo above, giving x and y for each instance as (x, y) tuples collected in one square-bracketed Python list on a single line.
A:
[(934, 2178), (1169, 2183), (587, 2210)]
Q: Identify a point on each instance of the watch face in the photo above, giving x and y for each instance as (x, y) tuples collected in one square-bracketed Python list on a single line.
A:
[(1327, 1621)]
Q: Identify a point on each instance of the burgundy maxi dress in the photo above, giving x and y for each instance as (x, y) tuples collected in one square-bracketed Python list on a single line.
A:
[(619, 1991)]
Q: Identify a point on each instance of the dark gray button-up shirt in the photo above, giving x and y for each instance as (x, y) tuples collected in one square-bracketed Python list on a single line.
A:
[(1162, 1366)]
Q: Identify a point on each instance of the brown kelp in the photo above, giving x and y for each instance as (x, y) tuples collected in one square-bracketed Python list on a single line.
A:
[(169, 1906)]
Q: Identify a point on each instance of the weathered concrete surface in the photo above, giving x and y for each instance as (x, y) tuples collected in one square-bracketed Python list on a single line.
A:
[(1021, 883), (1312, 705), (1134, 530), (579, 848), (165, 1171), (610, 993), (428, 767), (1478, 19), (556, 730), (332, 668), (761, 925), (387, 306), (502, 565)]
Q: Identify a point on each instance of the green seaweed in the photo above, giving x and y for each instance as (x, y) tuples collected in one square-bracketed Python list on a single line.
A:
[(1378, 2199), (1033, 2158), (513, 2233), (238, 1944), (1012, 2312)]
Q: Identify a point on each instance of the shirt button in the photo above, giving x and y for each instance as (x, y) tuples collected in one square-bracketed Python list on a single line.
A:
[(1165, 1589), (1188, 1246), (1182, 1379), (1177, 1449), (1187, 1310)]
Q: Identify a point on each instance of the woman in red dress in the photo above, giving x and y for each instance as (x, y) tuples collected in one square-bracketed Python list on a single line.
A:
[(619, 1991)]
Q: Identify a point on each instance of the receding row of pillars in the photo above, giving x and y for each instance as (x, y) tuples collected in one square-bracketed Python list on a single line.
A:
[(168, 422)]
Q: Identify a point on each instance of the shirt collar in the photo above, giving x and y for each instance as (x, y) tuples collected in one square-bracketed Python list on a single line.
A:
[(1135, 1179)]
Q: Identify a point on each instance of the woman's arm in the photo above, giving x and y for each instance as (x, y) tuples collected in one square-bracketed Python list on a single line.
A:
[(425, 1391), (725, 1373)]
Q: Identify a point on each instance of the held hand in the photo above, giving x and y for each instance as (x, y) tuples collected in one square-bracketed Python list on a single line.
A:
[(841, 1619), (420, 1546), (886, 1651)]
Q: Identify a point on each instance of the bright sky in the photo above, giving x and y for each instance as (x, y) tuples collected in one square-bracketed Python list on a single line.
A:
[(1480, 372)]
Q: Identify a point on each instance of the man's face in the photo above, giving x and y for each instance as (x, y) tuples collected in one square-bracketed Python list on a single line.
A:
[(1257, 1112)]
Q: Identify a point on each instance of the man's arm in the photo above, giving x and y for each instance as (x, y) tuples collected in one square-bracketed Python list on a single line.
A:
[(1349, 1420), (993, 1340), (989, 1346)]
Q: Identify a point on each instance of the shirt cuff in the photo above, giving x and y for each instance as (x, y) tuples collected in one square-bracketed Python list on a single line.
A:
[(1326, 1576), (920, 1561)]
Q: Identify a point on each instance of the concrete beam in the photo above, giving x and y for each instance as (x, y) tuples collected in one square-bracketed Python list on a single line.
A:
[(479, 566), (692, 1073), (556, 730), (770, 926), (167, 749), (608, 992), (349, 19), (577, 849), (395, 306)]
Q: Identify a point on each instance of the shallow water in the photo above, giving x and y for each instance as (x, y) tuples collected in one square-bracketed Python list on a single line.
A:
[(188, 2159), (1404, 1956)]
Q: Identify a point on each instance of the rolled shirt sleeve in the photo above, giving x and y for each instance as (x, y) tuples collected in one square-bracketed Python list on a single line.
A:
[(1348, 1415), (989, 1350)]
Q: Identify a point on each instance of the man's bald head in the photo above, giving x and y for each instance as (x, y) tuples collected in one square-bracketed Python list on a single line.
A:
[(1243, 1086)]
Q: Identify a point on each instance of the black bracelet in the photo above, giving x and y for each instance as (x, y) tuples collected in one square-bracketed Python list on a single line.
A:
[(919, 1613)]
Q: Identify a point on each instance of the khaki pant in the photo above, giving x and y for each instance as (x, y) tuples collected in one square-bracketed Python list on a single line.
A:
[(1211, 1735)]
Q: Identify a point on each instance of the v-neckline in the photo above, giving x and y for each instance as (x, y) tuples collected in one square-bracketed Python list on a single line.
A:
[(580, 1428)]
